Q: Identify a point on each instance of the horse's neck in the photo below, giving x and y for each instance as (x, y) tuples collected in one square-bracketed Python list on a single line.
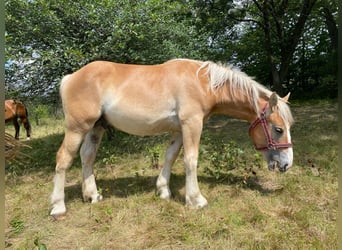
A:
[(240, 110)]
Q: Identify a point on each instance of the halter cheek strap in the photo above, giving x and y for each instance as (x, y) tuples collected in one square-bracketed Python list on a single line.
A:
[(271, 144)]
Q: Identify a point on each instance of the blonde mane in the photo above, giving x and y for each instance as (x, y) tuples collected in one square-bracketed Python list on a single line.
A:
[(239, 82)]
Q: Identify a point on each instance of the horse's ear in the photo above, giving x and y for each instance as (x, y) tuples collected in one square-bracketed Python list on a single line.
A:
[(286, 98), (273, 100)]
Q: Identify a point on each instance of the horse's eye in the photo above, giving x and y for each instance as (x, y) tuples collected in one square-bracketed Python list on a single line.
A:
[(279, 130)]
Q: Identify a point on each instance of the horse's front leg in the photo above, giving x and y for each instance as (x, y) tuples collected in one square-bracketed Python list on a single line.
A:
[(27, 126), (88, 153), (192, 130), (172, 152)]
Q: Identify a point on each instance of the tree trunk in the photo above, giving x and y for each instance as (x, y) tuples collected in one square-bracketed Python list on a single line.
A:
[(268, 46), (333, 33), (332, 27), (287, 42), (290, 44), (276, 81)]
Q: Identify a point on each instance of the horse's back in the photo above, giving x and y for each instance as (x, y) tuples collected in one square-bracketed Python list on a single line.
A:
[(100, 79), (138, 99)]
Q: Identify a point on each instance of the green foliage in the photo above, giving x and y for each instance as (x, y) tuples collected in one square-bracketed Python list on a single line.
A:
[(37, 242), (17, 225), (313, 58), (39, 112), (47, 39), (154, 155), (224, 157), (111, 159)]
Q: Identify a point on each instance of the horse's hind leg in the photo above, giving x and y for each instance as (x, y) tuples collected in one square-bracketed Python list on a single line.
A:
[(88, 153), (164, 177), (65, 156), (16, 127)]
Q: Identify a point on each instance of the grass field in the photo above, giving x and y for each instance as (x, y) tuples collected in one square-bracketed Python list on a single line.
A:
[(249, 207)]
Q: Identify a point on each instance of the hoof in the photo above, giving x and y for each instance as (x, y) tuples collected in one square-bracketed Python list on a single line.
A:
[(93, 199), (97, 198), (58, 212), (58, 217), (164, 193), (196, 202)]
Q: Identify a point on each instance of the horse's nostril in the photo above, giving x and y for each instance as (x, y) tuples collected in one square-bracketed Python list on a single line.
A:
[(284, 168), (272, 165)]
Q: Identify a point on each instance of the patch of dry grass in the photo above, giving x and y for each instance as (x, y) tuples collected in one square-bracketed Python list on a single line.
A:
[(261, 210)]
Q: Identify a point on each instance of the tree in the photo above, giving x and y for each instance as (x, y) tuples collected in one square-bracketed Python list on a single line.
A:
[(212, 17), (329, 12), (47, 39), (295, 51), (287, 28), (313, 69), (272, 40), (277, 25)]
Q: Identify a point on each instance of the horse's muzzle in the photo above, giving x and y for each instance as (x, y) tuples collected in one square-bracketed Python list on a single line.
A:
[(282, 168)]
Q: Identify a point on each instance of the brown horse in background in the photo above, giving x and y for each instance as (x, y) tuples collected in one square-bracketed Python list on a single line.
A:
[(16, 111)]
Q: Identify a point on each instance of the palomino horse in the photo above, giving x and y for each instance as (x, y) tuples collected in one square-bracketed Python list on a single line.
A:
[(16, 111), (176, 97)]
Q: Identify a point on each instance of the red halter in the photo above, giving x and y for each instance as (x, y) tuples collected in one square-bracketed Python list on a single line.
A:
[(271, 144)]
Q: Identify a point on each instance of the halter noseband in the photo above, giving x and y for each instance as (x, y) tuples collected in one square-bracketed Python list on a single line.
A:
[(271, 144)]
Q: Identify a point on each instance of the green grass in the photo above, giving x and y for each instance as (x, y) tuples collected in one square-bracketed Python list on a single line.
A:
[(250, 208)]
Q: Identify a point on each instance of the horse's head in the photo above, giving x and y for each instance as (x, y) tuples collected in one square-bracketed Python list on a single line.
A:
[(270, 133)]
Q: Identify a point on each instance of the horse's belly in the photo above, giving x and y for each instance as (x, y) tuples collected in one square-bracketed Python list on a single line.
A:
[(138, 123)]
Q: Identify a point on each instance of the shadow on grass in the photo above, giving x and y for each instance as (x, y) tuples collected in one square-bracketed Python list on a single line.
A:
[(41, 156), (244, 182), (121, 187), (124, 187)]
